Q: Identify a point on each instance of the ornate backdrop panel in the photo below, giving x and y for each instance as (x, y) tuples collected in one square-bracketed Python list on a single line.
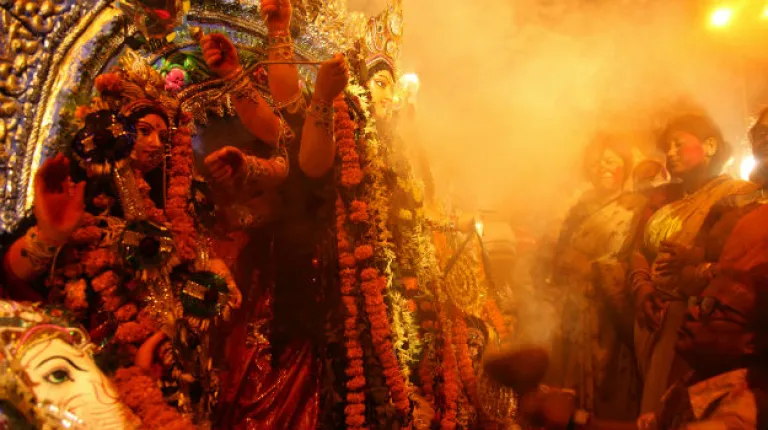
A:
[(52, 50)]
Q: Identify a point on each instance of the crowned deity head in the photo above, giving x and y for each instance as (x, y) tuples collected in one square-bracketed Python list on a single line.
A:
[(137, 92), (52, 359), (381, 45)]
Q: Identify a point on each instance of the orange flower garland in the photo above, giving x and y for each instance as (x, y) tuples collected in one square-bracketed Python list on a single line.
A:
[(179, 191), (450, 377), (496, 318), (466, 368), (141, 394), (355, 410), (371, 280), (344, 128)]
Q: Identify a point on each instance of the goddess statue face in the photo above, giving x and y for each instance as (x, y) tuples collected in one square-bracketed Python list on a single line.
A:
[(382, 88), (685, 152), (67, 377), (607, 173), (151, 136)]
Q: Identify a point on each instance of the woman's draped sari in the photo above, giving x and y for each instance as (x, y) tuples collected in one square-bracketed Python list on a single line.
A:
[(678, 222), (596, 359)]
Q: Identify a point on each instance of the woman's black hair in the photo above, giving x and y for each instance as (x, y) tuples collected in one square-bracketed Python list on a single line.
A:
[(703, 127), (603, 142)]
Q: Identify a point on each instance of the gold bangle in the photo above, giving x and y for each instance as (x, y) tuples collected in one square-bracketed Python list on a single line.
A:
[(323, 114), (39, 253), (245, 90)]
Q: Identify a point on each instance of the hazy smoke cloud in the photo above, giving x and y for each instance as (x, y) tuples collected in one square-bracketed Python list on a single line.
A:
[(512, 90)]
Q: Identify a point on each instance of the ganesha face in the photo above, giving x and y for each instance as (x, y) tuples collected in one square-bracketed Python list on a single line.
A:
[(67, 377)]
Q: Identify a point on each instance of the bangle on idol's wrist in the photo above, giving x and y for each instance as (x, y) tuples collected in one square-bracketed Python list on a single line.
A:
[(234, 75), (322, 112), (280, 45), (244, 89), (39, 252), (294, 104)]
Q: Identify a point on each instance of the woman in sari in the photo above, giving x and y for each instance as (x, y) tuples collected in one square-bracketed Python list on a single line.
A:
[(595, 239), (696, 153)]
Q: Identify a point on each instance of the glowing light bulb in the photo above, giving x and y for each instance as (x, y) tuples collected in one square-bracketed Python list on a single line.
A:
[(747, 165), (721, 17), (411, 78), (479, 227)]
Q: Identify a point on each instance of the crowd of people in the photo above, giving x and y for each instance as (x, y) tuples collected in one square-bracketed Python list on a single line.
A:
[(315, 280), (663, 285)]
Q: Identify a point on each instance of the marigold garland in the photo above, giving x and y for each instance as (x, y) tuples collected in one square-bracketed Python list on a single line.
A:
[(450, 376), (494, 315), (372, 281), (355, 409), (465, 365), (140, 392)]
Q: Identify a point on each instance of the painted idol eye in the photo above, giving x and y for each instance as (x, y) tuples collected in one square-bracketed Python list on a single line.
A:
[(58, 377)]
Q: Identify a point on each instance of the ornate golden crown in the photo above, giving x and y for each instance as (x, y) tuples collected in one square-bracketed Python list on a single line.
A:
[(384, 36)]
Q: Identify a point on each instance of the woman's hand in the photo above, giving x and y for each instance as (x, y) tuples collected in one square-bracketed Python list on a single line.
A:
[(332, 78), (59, 202), (649, 307), (674, 257), (220, 54)]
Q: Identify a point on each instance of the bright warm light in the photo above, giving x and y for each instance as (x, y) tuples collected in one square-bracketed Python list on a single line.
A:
[(479, 226), (747, 165), (765, 13), (410, 79), (721, 17)]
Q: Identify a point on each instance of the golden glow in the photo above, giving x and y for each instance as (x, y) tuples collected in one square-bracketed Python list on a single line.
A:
[(479, 227), (765, 13), (410, 79), (747, 165), (721, 17)]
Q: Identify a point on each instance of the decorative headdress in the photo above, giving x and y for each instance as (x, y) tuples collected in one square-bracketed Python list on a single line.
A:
[(133, 87), (383, 37)]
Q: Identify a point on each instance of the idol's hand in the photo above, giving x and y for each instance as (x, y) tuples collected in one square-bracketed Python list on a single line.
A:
[(146, 353), (227, 166), (276, 14), (220, 268), (220, 54), (332, 78), (59, 202)]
